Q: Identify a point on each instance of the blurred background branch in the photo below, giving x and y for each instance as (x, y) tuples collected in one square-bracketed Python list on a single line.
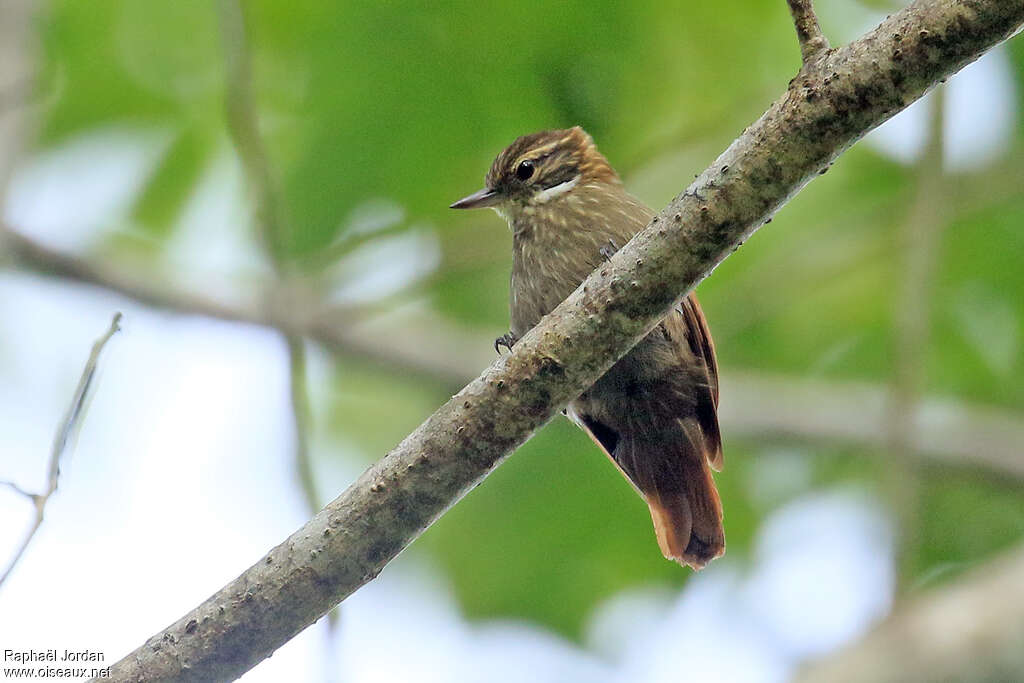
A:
[(243, 126), (972, 630), (17, 54), (920, 240), (945, 431)]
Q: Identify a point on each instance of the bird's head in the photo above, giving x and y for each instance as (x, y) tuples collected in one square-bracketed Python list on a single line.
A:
[(541, 168)]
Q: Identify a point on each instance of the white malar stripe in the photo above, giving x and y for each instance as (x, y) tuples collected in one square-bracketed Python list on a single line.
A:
[(556, 191)]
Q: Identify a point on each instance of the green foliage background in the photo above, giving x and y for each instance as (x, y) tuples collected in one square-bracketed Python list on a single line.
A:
[(410, 101)]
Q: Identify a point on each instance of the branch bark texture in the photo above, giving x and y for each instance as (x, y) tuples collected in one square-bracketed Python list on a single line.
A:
[(831, 104), (808, 32)]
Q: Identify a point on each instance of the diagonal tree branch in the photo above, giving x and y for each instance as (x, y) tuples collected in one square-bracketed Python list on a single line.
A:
[(834, 102)]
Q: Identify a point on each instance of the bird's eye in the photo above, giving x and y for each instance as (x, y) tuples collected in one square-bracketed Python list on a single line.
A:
[(524, 170)]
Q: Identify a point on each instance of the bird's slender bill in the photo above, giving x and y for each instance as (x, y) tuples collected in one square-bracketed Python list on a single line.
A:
[(478, 200)]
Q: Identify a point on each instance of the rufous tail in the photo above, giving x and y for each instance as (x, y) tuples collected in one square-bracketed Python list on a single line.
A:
[(688, 522)]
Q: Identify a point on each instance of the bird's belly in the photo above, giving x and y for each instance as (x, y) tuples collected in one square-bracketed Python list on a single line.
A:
[(547, 270), (536, 291), (528, 306)]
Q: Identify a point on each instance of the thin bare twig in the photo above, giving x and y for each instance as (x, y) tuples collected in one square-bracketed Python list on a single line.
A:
[(812, 41), (244, 127), (302, 423), (66, 431)]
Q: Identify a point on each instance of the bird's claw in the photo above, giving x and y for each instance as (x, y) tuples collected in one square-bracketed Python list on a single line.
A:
[(507, 340), (608, 250)]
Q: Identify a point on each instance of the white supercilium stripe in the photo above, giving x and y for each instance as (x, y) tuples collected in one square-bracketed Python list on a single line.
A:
[(555, 191)]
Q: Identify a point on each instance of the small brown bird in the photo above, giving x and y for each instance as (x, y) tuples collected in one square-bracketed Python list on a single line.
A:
[(654, 413)]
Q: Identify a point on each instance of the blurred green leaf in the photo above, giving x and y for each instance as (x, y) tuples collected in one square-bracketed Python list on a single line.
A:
[(963, 521), (164, 196)]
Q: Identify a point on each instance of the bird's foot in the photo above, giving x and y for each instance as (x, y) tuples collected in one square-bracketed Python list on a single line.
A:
[(507, 340), (608, 250)]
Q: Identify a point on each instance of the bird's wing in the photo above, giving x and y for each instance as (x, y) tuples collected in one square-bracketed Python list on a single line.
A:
[(687, 327), (605, 438), (688, 330)]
